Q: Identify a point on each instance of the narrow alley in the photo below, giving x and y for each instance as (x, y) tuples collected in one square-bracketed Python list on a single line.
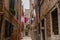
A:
[(29, 19)]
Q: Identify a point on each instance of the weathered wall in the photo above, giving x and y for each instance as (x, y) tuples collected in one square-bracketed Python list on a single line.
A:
[(46, 6)]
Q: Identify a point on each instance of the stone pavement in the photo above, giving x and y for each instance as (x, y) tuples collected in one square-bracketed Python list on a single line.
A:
[(26, 38)]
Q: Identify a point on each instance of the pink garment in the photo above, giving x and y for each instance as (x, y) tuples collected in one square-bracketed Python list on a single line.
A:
[(23, 19)]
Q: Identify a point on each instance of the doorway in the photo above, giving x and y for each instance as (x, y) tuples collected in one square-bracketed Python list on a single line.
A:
[(43, 34), (1, 20), (54, 16), (54, 23), (43, 29)]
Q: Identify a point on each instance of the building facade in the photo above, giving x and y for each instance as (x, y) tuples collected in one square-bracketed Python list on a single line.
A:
[(27, 13), (48, 22), (34, 20), (9, 23), (49, 19)]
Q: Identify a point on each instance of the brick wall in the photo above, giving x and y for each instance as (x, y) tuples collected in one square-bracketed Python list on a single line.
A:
[(6, 4), (46, 6), (48, 27)]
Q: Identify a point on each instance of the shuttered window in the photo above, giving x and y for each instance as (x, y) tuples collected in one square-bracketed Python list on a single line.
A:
[(1, 5), (8, 29), (12, 7)]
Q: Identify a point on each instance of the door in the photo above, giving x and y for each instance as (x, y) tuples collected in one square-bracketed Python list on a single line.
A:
[(43, 34), (54, 16), (1, 20)]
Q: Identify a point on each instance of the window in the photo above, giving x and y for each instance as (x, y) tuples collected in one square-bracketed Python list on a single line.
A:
[(1, 20), (43, 34), (8, 29), (12, 7), (1, 2), (42, 23), (38, 28), (1, 5), (55, 22)]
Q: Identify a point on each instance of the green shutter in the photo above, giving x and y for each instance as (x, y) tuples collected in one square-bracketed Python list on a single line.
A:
[(12, 7)]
